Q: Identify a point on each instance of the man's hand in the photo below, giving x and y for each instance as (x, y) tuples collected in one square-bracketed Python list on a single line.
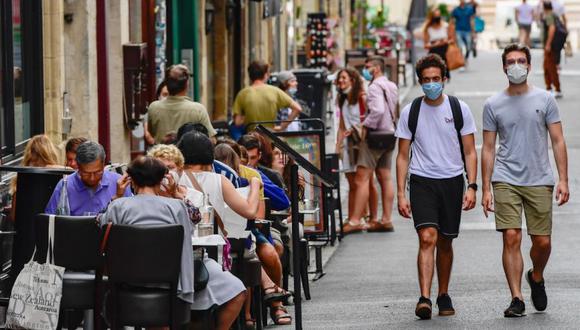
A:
[(122, 184), (487, 202), (548, 48), (562, 193), (469, 200), (363, 133), (404, 207)]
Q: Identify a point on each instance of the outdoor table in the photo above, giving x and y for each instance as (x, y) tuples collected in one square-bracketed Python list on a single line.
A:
[(211, 243)]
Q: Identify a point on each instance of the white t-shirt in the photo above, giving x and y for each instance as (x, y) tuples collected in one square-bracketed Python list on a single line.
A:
[(435, 151), (438, 33), (525, 14)]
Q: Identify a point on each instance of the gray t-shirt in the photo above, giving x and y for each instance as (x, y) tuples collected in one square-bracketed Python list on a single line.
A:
[(522, 125), (148, 210)]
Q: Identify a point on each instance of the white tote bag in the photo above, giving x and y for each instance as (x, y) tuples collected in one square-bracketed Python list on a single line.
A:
[(35, 298)]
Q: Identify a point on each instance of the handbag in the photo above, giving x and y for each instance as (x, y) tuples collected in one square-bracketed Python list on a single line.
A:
[(200, 275), (454, 57), (35, 298), (382, 139)]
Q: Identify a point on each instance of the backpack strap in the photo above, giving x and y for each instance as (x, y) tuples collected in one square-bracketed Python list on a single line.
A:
[(414, 116), (458, 121)]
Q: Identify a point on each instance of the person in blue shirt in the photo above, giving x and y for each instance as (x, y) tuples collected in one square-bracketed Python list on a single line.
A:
[(278, 199), (463, 18)]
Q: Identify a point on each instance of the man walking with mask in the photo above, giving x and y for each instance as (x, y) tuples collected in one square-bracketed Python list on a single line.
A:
[(522, 179), (439, 130)]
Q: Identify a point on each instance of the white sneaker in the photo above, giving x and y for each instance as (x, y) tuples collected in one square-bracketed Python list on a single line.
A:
[(462, 69), (558, 95)]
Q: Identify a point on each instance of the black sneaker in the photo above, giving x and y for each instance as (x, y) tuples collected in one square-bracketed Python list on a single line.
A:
[(445, 305), (517, 309), (423, 309), (539, 298)]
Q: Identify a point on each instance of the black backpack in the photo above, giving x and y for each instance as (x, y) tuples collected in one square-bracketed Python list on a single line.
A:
[(457, 120)]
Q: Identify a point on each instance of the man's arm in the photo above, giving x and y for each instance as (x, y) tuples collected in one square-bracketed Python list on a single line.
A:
[(471, 166), (296, 110), (551, 32), (561, 157), (402, 168), (377, 104), (487, 160)]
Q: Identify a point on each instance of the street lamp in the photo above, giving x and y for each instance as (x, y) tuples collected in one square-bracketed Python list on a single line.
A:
[(209, 16)]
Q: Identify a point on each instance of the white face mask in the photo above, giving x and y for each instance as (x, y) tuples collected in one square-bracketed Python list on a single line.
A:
[(517, 73)]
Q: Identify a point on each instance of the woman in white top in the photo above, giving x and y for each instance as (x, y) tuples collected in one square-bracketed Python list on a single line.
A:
[(351, 101), (198, 153), (437, 35)]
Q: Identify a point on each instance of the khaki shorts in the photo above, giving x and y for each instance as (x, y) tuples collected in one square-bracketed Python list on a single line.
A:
[(536, 202), (373, 158)]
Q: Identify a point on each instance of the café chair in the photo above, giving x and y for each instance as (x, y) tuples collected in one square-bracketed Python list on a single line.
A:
[(143, 265), (76, 248)]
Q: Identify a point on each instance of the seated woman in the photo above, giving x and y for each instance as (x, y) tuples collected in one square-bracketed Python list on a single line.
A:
[(39, 152), (225, 153), (148, 208)]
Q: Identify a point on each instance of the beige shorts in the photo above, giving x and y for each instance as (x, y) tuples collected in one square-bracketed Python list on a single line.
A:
[(373, 158), (536, 202)]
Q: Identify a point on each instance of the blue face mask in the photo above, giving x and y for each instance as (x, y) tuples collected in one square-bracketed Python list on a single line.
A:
[(292, 91), (432, 90), (367, 75)]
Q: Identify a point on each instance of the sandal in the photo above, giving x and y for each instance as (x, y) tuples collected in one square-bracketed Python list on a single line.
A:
[(276, 294), (375, 226), (279, 317), (351, 227)]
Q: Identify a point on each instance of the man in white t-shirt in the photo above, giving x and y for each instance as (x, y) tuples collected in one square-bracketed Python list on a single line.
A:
[(430, 129), (525, 18)]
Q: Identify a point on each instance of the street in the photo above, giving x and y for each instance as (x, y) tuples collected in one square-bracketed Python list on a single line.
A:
[(371, 280)]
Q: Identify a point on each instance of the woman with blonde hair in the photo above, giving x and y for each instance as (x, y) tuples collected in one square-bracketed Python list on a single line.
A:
[(39, 152)]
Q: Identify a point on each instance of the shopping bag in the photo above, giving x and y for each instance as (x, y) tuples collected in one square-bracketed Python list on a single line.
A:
[(35, 298), (454, 57)]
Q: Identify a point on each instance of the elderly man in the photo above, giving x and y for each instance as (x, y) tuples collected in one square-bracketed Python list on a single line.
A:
[(90, 189)]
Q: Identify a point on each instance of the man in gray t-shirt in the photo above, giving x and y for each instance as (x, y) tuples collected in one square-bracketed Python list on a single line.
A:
[(523, 116)]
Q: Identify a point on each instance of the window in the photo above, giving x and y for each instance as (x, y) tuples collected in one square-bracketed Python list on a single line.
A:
[(21, 97)]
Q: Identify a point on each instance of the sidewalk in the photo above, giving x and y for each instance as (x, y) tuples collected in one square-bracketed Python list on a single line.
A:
[(371, 278)]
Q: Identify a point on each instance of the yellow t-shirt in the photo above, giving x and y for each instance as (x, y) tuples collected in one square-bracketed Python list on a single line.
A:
[(260, 103), (249, 173)]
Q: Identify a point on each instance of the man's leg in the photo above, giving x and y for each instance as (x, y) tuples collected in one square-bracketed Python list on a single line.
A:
[(444, 263), (387, 193), (540, 253), (361, 181), (373, 199), (426, 258), (513, 262), (547, 71)]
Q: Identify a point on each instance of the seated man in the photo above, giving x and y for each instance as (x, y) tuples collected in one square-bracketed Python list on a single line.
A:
[(276, 194), (90, 189)]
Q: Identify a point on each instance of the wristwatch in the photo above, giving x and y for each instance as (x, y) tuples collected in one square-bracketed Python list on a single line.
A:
[(472, 186)]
